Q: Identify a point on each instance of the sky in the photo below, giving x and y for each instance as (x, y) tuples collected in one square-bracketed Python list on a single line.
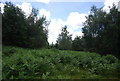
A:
[(62, 12)]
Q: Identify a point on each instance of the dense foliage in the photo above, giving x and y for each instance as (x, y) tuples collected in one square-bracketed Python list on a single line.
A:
[(64, 40), (101, 31), (77, 44), (19, 30), (19, 63)]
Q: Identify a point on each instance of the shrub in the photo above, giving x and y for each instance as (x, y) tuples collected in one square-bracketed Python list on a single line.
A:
[(111, 59)]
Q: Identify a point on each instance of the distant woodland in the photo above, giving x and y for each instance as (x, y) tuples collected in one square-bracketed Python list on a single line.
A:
[(100, 32)]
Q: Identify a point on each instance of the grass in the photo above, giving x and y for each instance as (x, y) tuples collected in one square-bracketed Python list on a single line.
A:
[(20, 63)]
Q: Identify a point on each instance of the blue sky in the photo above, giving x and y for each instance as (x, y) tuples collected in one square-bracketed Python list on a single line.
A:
[(62, 9), (62, 13)]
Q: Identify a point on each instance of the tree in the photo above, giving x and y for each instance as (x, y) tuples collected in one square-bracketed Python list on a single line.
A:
[(90, 29), (37, 33), (64, 39), (101, 31), (77, 44), (14, 26), (111, 32), (21, 31)]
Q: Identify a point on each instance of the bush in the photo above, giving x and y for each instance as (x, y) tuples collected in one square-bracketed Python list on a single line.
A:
[(111, 59)]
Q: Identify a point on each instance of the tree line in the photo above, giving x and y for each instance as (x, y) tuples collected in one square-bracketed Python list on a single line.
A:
[(19, 30), (100, 31)]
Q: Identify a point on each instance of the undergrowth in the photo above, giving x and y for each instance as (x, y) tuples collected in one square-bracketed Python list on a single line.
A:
[(19, 63)]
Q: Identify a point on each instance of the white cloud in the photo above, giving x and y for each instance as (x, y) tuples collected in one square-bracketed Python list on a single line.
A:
[(74, 33), (2, 7), (55, 29), (119, 6), (26, 7), (43, 1), (108, 3), (75, 20), (44, 12)]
